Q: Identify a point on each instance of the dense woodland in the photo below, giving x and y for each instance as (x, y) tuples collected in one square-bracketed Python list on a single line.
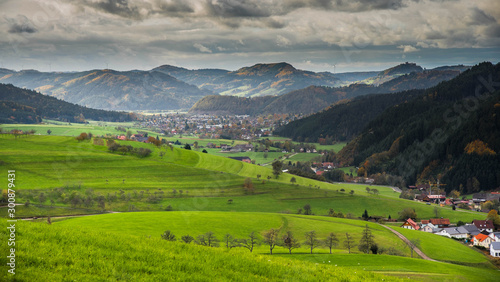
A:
[(345, 120), (426, 138), (27, 106)]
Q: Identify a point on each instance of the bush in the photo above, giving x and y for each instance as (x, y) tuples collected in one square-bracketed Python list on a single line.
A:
[(167, 235)]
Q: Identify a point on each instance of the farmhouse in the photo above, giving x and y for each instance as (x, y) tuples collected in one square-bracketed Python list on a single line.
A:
[(483, 225), (440, 222), (410, 224), (482, 240), (427, 227)]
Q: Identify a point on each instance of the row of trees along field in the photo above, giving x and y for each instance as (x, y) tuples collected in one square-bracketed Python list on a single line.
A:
[(271, 238)]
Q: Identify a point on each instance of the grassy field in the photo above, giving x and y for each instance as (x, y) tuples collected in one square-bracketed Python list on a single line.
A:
[(126, 245), (455, 251), (237, 224), (403, 267), (44, 163), (59, 253)]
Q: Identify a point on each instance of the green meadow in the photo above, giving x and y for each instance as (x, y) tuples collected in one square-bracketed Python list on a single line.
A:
[(203, 192), (46, 163), (62, 253)]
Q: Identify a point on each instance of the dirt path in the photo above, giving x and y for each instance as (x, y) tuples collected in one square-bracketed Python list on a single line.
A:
[(66, 216), (417, 250)]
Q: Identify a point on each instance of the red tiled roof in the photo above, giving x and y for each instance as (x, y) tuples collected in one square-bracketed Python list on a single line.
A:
[(423, 221), (483, 224), (440, 221), (413, 224), (481, 237)]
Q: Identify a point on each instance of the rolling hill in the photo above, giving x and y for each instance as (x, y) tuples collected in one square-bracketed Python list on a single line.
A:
[(111, 90), (315, 98), (27, 106)]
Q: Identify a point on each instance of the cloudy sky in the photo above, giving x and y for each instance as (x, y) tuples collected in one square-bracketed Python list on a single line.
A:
[(353, 35)]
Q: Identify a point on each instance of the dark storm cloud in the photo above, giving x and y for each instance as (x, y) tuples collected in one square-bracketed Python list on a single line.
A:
[(20, 24), (346, 5)]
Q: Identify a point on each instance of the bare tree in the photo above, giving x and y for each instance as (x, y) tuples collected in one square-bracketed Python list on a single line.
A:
[(271, 239), (230, 241), (349, 242), (331, 241), (208, 239), (249, 242), (290, 242), (311, 240)]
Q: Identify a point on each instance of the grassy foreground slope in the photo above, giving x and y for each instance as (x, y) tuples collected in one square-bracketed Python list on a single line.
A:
[(59, 253), (237, 224), (474, 266)]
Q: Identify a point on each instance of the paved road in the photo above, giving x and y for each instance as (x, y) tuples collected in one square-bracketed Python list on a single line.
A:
[(417, 250)]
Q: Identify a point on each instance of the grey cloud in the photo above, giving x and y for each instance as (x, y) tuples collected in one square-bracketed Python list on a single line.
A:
[(20, 24), (479, 17), (139, 10), (346, 5), (237, 9)]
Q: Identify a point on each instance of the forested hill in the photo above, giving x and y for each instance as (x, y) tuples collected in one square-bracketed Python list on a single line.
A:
[(315, 98), (343, 121), (27, 106), (109, 89), (451, 132)]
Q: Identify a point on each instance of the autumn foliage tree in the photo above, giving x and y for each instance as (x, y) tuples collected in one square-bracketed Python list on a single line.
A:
[(480, 148)]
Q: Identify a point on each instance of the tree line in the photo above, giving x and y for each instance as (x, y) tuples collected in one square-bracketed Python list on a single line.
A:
[(275, 238)]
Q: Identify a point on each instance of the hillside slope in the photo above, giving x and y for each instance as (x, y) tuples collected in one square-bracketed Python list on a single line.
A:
[(315, 98), (112, 90), (26, 106), (58, 253), (426, 138)]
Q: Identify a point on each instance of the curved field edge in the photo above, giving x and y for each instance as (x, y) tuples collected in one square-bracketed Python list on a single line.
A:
[(446, 249), (58, 253)]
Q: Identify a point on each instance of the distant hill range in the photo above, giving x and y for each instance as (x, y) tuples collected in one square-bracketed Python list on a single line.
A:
[(109, 89), (316, 98), (27, 106), (173, 88), (254, 81)]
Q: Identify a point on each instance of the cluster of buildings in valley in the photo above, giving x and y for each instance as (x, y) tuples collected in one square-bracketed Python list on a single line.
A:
[(425, 194), (478, 233), (242, 127)]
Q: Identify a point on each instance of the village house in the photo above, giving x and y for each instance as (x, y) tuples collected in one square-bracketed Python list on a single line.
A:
[(482, 240), (495, 249), (495, 236), (454, 232), (410, 224), (428, 227), (440, 222), (471, 230), (484, 225)]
